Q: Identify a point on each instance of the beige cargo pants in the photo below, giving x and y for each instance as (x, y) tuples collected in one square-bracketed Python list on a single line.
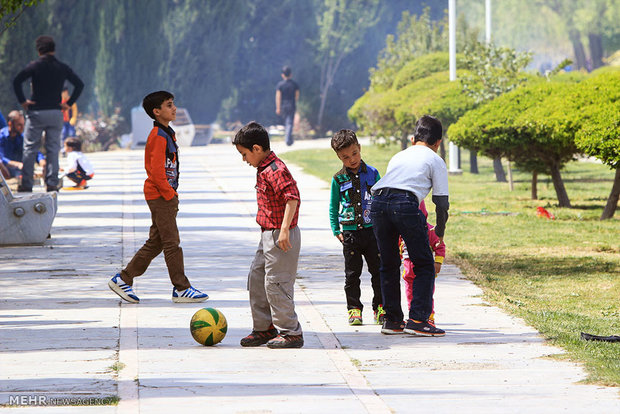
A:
[(271, 284)]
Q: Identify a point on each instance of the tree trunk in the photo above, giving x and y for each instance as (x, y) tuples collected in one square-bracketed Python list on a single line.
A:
[(327, 78), (596, 49), (500, 175), (534, 185), (560, 190), (612, 201), (510, 182), (580, 54), (442, 150), (403, 140), (473, 162)]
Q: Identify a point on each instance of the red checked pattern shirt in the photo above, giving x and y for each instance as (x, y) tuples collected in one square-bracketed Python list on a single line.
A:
[(274, 187)]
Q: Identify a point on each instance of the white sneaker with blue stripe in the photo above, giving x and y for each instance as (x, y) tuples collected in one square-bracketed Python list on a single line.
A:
[(188, 295), (122, 289)]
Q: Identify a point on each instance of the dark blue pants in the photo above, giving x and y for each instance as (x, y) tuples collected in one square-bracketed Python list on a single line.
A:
[(394, 213), (289, 118)]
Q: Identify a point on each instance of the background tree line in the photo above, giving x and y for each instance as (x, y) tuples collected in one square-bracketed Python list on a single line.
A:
[(222, 58)]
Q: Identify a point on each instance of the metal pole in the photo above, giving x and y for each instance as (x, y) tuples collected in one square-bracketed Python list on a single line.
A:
[(452, 37), (488, 20), (454, 153)]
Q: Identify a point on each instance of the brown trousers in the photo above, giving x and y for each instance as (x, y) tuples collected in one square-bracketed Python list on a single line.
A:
[(163, 235)]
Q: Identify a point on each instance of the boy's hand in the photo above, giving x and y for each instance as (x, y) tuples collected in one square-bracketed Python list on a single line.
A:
[(340, 238), (437, 268), (284, 241)]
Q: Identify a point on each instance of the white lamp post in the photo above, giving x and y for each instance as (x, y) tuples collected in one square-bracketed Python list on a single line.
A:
[(454, 150)]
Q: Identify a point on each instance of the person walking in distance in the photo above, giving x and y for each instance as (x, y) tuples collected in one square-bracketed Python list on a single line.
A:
[(287, 94)]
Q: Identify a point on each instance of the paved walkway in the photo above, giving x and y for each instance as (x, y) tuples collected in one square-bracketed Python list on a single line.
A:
[(66, 339)]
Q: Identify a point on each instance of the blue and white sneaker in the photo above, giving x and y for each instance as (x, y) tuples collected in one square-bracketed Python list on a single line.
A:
[(188, 295), (122, 289)]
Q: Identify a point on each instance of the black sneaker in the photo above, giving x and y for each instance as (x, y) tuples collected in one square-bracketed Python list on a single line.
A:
[(286, 341), (258, 338), (21, 189), (52, 188), (392, 328), (423, 328)]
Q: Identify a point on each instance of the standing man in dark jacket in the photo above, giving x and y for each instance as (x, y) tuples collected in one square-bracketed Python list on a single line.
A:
[(44, 109), (287, 94)]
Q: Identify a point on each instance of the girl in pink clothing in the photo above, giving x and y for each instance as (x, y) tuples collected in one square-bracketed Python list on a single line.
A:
[(439, 249)]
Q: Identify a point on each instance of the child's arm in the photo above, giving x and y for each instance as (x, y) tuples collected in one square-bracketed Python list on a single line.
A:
[(334, 207), (439, 248), (284, 241), (74, 113)]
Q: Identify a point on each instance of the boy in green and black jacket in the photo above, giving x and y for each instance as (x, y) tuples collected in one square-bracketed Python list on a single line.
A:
[(349, 214)]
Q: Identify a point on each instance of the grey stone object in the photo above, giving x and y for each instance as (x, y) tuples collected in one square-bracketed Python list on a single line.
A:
[(25, 219)]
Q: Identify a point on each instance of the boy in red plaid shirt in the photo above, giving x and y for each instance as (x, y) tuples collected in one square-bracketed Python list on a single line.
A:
[(272, 273)]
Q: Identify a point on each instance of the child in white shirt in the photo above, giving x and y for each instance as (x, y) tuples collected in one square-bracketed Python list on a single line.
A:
[(79, 169)]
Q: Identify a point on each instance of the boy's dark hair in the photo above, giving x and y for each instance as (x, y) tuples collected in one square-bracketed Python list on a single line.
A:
[(74, 144), (343, 138), (45, 44), (286, 71), (428, 129), (252, 134), (154, 100)]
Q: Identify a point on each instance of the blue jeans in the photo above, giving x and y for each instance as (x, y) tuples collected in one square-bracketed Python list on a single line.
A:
[(288, 127), (68, 130), (394, 213)]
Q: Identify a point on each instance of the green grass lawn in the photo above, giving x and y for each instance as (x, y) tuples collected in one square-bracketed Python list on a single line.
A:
[(561, 276)]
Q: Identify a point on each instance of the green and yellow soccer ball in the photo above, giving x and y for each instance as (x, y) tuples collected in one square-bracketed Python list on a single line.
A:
[(208, 326)]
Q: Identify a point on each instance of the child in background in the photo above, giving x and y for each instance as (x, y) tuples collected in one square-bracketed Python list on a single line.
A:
[(349, 215), (69, 117), (79, 169), (439, 249)]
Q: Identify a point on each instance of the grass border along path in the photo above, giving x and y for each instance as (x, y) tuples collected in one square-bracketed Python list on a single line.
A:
[(561, 276)]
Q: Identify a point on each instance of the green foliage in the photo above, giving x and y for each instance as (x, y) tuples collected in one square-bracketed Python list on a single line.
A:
[(342, 25), (393, 112), (494, 70), (11, 10), (374, 113), (599, 134), (415, 36), (561, 66), (126, 70), (195, 70), (498, 128), (17, 49), (422, 67), (435, 95)]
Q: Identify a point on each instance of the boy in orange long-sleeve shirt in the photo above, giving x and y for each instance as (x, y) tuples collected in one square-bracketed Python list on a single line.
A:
[(162, 169)]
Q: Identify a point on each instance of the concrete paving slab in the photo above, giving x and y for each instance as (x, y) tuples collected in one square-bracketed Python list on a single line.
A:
[(56, 343)]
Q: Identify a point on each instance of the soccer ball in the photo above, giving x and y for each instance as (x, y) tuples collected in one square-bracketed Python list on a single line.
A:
[(208, 326)]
